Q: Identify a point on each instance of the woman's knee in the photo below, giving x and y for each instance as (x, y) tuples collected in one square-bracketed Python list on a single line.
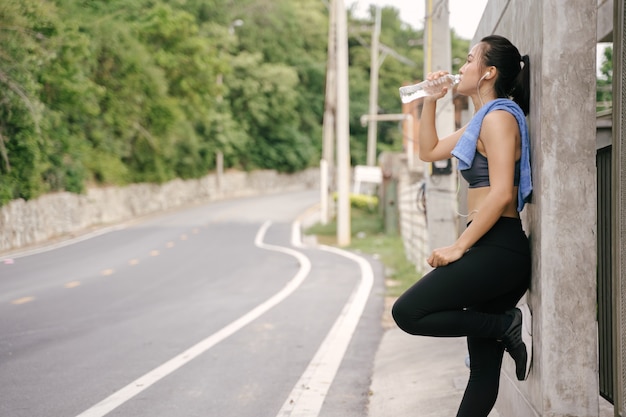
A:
[(405, 315)]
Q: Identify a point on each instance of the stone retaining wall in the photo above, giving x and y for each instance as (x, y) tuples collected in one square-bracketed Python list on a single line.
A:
[(27, 223)]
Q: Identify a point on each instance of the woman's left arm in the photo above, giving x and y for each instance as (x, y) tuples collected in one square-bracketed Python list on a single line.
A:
[(499, 135)]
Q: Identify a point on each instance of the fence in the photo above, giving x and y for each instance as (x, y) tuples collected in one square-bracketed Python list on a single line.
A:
[(605, 304), (412, 207)]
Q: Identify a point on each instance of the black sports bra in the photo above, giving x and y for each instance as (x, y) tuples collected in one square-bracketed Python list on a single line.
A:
[(478, 174)]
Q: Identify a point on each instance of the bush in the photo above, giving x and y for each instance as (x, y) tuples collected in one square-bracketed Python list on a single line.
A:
[(361, 201)]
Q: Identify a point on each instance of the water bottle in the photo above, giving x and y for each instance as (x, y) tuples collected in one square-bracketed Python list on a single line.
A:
[(427, 88)]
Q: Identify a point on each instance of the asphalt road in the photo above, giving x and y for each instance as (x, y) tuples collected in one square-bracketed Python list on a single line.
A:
[(213, 310)]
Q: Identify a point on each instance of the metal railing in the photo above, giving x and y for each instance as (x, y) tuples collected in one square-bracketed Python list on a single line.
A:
[(605, 294)]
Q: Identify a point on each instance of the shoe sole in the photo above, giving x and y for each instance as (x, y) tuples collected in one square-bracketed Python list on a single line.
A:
[(527, 336)]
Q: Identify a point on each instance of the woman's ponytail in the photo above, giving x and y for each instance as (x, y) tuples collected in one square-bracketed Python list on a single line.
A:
[(521, 90)]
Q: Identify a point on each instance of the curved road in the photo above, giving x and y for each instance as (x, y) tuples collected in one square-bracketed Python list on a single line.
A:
[(214, 310)]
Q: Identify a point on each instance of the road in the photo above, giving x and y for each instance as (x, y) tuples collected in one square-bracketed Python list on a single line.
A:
[(211, 310)]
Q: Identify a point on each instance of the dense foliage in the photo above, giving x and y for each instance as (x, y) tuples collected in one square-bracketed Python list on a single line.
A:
[(604, 85), (117, 91)]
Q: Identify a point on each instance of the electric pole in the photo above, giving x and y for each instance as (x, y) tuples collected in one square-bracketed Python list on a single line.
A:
[(327, 165), (343, 129), (373, 109), (440, 197)]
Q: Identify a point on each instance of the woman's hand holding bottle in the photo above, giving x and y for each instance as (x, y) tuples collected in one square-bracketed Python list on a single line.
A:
[(436, 92), (434, 87)]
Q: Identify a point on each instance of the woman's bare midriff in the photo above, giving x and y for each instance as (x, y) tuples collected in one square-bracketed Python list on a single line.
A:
[(476, 196)]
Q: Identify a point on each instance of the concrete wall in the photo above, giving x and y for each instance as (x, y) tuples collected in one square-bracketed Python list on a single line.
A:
[(59, 215), (604, 31), (560, 38)]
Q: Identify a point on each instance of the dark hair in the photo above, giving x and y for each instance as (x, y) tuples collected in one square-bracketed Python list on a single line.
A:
[(513, 70)]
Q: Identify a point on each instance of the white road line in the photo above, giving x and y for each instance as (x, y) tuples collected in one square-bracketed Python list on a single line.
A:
[(308, 395), (129, 391)]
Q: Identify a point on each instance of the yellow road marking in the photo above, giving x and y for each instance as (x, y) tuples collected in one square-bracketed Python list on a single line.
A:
[(154, 253), (22, 300), (195, 231), (133, 262), (170, 244), (72, 284), (108, 272), (183, 237)]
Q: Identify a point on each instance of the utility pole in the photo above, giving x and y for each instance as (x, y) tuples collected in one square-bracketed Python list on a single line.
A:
[(343, 129), (327, 165), (440, 197), (373, 109)]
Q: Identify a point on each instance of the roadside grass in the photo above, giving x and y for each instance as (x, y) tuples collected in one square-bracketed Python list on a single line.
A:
[(368, 236)]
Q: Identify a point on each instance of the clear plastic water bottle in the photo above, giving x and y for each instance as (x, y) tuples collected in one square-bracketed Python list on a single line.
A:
[(427, 88)]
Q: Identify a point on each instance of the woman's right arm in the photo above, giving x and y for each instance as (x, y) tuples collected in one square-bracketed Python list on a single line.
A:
[(431, 148)]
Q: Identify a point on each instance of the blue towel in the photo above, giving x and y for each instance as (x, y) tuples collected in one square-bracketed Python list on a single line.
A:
[(465, 148)]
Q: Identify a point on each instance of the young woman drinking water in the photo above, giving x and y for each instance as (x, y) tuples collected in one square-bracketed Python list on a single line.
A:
[(477, 281)]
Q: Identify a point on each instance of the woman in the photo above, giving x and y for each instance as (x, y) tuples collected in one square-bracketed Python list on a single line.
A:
[(479, 279)]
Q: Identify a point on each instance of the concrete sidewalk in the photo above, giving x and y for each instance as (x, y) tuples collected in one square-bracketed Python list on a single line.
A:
[(418, 376)]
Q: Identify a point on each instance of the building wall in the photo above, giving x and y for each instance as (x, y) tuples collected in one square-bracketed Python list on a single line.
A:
[(560, 37)]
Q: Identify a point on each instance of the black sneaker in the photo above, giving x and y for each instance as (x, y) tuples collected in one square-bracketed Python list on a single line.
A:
[(518, 340)]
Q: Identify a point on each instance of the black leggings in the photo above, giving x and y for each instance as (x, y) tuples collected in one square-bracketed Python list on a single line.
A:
[(468, 298)]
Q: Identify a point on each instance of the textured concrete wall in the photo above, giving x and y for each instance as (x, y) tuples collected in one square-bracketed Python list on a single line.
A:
[(604, 31), (560, 38), (26, 223)]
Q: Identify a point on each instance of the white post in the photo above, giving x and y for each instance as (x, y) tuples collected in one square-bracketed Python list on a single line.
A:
[(219, 168), (324, 191)]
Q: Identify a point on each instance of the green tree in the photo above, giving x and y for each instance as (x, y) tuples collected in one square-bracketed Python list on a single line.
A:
[(191, 66), (72, 102), (604, 84), (118, 92), (291, 33), (24, 29), (263, 97)]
